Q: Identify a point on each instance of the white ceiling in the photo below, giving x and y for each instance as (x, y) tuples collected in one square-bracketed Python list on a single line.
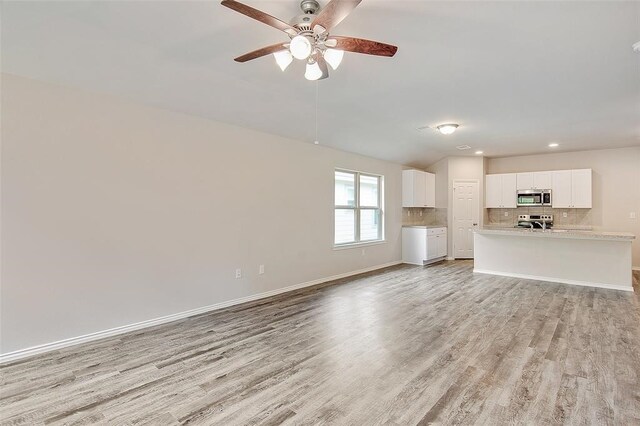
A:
[(515, 75)]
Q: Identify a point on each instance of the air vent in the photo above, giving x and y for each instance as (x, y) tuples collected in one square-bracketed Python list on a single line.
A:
[(463, 147)]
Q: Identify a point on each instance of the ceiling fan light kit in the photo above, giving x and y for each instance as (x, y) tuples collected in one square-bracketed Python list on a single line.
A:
[(310, 38), (333, 57), (313, 71), (300, 47), (283, 59)]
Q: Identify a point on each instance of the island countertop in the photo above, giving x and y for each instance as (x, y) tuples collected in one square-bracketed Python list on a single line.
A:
[(570, 256), (424, 226), (557, 233)]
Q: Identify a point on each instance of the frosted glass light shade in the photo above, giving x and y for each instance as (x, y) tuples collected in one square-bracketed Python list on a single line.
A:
[(313, 71), (283, 59), (300, 47), (447, 129), (333, 57)]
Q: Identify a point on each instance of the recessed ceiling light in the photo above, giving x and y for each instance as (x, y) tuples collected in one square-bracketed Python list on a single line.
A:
[(636, 47), (447, 129), (479, 152), (553, 145)]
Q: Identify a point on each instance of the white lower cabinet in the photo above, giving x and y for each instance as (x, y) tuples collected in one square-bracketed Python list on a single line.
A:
[(432, 247), (422, 245), (442, 244)]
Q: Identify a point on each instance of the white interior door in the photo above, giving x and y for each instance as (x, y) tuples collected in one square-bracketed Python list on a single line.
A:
[(466, 212)]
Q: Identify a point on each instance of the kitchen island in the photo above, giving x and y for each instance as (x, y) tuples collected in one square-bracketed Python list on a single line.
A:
[(588, 258)]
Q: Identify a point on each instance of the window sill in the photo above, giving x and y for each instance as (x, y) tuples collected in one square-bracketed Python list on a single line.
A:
[(358, 245)]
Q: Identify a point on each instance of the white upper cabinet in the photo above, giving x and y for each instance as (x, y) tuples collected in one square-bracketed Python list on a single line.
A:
[(571, 189), (534, 180), (501, 191), (542, 180), (418, 189), (524, 180), (581, 188), (414, 188), (493, 191), (561, 191), (509, 192)]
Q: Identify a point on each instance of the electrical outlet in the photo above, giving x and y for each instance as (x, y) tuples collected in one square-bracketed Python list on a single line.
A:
[(364, 251), (632, 215), (408, 212), (261, 269), (506, 214), (564, 214), (420, 213), (238, 273)]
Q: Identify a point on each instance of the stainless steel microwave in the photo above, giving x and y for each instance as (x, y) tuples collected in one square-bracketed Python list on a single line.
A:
[(534, 197)]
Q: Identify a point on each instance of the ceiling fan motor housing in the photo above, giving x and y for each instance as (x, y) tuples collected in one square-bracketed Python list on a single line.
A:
[(309, 9), (309, 6)]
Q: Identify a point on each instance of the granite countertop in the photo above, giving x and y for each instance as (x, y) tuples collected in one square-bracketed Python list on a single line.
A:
[(557, 233), (424, 226)]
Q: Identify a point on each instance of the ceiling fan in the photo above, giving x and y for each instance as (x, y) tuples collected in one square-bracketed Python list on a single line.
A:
[(310, 38)]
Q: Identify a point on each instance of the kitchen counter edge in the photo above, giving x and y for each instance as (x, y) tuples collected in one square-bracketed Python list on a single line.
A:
[(558, 233)]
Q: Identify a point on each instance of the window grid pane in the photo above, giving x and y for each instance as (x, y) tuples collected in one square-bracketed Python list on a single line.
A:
[(369, 224), (345, 228), (345, 189), (369, 191)]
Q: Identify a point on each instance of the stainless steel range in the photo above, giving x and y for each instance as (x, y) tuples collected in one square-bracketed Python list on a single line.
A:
[(535, 221)]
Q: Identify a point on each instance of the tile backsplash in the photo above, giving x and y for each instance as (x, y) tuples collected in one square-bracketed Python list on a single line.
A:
[(430, 216), (562, 218)]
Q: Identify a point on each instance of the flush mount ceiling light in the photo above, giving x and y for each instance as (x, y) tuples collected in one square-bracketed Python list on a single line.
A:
[(553, 145), (479, 152), (636, 47), (310, 39), (447, 129), (463, 147)]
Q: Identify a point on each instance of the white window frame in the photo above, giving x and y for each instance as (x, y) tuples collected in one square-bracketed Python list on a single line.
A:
[(357, 208)]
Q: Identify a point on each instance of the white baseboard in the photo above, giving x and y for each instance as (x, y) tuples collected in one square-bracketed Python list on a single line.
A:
[(555, 280), (47, 347), (636, 268)]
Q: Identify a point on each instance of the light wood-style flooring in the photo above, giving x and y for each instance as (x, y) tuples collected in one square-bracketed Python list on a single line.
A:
[(401, 346)]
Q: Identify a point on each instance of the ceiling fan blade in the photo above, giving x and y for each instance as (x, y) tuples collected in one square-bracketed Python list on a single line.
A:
[(323, 67), (261, 52), (333, 13), (359, 45), (259, 16)]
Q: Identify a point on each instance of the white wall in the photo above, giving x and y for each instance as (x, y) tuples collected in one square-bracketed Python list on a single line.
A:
[(115, 213), (616, 184), (441, 170)]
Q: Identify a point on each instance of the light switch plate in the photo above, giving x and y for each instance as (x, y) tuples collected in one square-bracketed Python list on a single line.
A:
[(632, 215)]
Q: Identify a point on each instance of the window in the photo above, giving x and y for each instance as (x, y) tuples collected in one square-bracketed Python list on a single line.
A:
[(358, 207)]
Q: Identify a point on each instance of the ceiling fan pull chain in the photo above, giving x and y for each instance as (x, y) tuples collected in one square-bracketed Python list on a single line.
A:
[(316, 141)]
